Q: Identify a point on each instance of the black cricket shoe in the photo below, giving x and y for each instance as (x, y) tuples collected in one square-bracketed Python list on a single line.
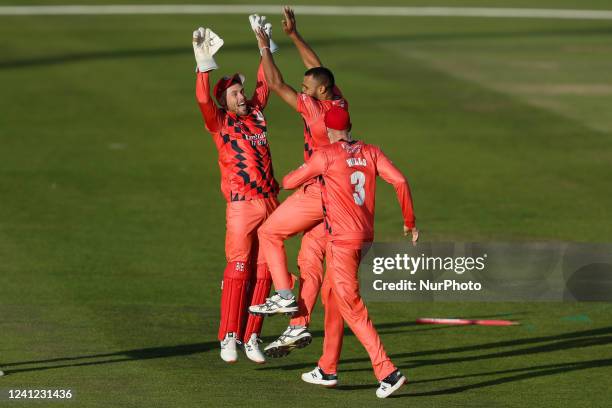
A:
[(390, 384)]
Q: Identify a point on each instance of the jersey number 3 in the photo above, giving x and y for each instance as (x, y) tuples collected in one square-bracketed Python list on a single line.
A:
[(358, 180)]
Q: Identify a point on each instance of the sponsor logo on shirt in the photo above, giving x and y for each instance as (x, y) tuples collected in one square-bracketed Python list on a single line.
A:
[(259, 138)]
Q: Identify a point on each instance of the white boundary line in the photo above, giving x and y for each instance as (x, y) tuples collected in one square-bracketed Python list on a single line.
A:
[(309, 10)]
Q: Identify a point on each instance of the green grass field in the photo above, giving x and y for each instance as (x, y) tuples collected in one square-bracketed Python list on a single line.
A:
[(112, 223)]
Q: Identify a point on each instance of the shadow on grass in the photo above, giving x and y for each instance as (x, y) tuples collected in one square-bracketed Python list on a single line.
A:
[(164, 352), (543, 344), (140, 354), (566, 341), (110, 358), (524, 373), (239, 47)]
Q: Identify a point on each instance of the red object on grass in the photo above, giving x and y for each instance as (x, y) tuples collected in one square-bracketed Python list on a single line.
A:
[(465, 322)]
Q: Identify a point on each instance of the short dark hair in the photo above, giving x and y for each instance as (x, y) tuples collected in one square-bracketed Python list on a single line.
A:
[(323, 75)]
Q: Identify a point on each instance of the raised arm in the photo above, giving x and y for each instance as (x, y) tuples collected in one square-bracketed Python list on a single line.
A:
[(316, 166), (205, 44), (309, 57), (262, 90), (273, 75), (392, 175), (213, 116)]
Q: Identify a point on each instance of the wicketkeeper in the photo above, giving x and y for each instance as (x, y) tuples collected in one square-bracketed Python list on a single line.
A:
[(239, 130)]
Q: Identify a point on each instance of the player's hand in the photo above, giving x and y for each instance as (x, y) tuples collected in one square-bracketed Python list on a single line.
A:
[(263, 41), (255, 21), (206, 44), (259, 22), (289, 25), (412, 231)]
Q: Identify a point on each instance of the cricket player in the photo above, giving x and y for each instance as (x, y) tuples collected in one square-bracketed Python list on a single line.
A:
[(238, 128), (302, 211), (349, 169)]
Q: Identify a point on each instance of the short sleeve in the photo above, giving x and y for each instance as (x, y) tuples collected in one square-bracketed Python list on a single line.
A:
[(308, 106)]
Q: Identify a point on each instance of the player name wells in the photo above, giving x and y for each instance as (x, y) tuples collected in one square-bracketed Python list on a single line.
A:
[(411, 265)]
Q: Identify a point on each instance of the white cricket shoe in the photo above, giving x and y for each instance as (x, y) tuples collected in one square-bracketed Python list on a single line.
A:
[(318, 377), (292, 338), (275, 305), (228, 348), (390, 384), (251, 348)]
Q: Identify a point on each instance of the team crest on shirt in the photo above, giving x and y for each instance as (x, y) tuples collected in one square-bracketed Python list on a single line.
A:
[(258, 116), (351, 148)]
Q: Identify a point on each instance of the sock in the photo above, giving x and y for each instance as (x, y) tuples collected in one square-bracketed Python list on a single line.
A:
[(285, 293)]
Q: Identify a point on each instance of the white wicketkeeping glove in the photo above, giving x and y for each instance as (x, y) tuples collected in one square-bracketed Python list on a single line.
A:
[(205, 44), (257, 22)]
